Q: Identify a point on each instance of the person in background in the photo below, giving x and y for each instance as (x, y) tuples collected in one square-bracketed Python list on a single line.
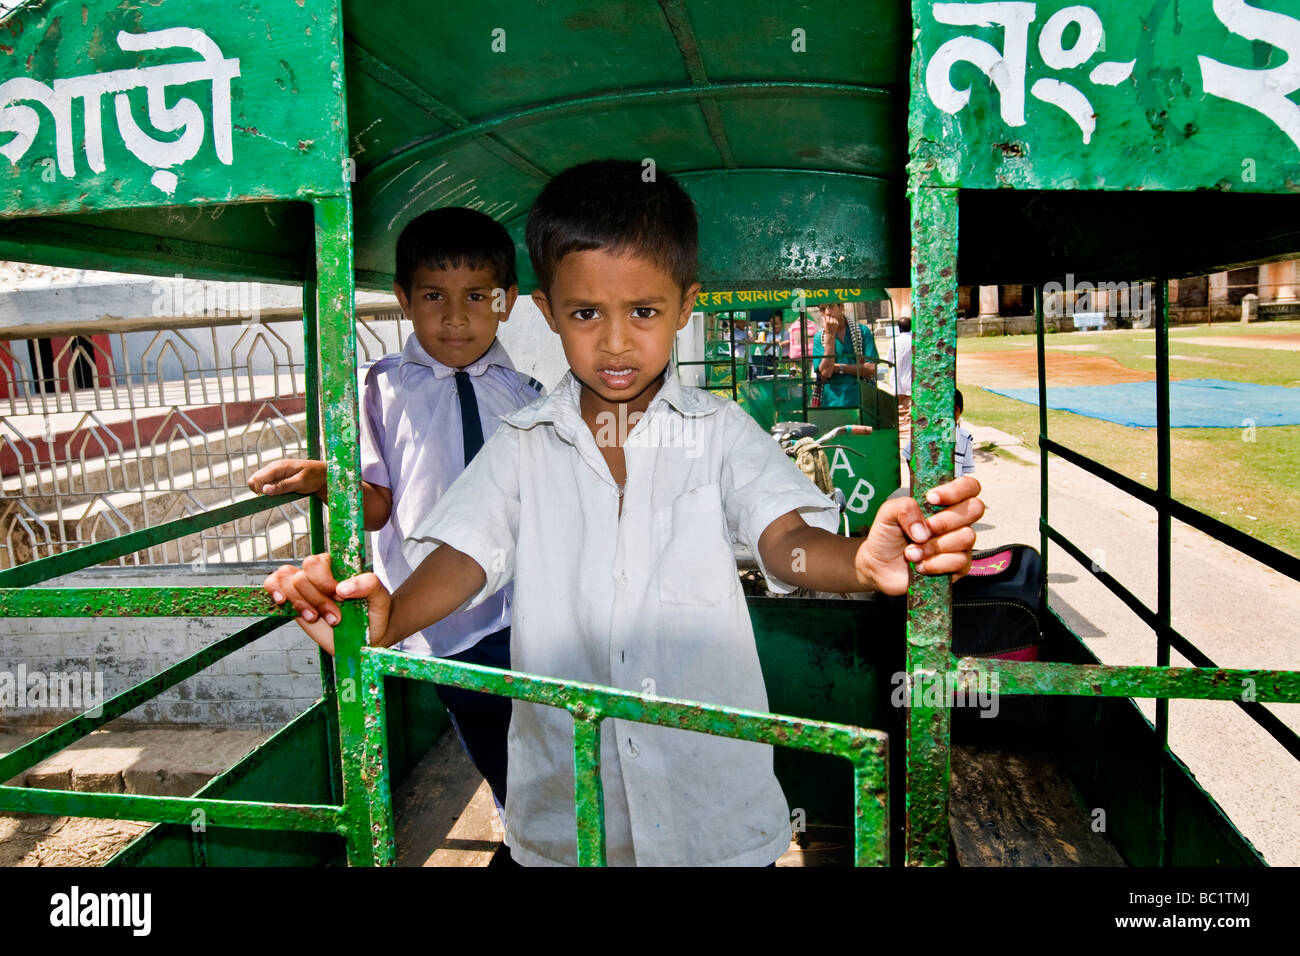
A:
[(768, 351), (803, 333), (840, 367), (425, 413), (900, 358), (963, 442), (963, 452)]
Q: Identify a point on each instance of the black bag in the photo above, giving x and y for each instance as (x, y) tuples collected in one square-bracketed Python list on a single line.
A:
[(997, 607), (997, 613)]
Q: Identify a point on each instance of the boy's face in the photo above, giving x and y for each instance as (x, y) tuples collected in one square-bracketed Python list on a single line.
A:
[(453, 311), (617, 317)]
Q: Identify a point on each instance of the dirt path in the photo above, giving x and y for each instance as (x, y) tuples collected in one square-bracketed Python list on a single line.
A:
[(34, 839), (1019, 369), (1235, 610)]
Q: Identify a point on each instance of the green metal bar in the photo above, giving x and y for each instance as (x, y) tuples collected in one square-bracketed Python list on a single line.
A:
[(871, 809), (316, 515), (1267, 555), (375, 767), (336, 354), (73, 730), (248, 815), (839, 740), (929, 608), (588, 792), (731, 349), (1043, 497), (590, 703), (58, 242), (806, 385), (88, 555), (1278, 730), (139, 602), (1103, 680), (1164, 541)]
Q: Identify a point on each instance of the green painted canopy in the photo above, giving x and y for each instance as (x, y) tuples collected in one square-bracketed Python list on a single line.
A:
[(787, 120)]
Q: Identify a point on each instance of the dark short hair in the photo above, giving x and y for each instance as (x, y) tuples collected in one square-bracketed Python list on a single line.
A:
[(905, 324), (608, 204), (957, 402), (454, 236)]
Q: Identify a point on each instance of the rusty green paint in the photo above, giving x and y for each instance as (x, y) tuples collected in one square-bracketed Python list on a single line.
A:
[(336, 353), (588, 790), (592, 703), (1164, 552), (316, 515), (246, 814), (284, 129), (1165, 126), (871, 810), (139, 602), (929, 607), (88, 555), (51, 742), (374, 769), (1200, 683)]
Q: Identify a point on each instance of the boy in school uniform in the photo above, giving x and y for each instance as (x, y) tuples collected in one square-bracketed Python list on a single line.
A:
[(612, 505), (425, 414)]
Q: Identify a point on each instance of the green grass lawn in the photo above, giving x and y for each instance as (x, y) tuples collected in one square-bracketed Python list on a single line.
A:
[(1249, 480)]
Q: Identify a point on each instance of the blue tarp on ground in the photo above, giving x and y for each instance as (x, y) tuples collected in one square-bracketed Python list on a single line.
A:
[(1193, 403)]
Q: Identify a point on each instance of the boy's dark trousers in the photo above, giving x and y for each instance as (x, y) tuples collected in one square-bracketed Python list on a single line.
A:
[(482, 720)]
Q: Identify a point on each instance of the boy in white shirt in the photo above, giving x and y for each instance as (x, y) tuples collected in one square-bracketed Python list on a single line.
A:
[(612, 505), (963, 452), (424, 415)]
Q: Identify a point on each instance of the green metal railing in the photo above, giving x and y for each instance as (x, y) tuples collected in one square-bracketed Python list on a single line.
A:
[(590, 704)]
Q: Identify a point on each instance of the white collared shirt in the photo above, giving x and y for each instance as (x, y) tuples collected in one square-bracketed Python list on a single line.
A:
[(412, 444), (900, 358), (649, 601)]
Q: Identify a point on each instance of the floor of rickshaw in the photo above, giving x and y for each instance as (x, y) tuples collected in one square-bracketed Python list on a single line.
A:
[(1017, 806)]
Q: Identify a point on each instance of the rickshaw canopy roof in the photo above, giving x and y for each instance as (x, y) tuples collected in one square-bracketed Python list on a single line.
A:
[(787, 121)]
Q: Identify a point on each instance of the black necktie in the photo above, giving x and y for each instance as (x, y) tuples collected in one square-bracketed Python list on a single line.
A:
[(470, 426)]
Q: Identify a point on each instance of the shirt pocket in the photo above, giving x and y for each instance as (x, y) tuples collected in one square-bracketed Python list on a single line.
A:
[(697, 566)]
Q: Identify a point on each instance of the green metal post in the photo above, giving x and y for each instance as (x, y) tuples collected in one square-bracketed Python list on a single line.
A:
[(871, 808), (929, 606), (588, 792), (1042, 436), (338, 380), (375, 769), (316, 512), (1163, 552)]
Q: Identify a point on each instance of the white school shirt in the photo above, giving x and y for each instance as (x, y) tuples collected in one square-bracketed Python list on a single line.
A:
[(648, 602), (900, 357), (963, 452), (412, 443)]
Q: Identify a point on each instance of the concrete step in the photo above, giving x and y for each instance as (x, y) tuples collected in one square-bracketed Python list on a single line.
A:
[(163, 762)]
